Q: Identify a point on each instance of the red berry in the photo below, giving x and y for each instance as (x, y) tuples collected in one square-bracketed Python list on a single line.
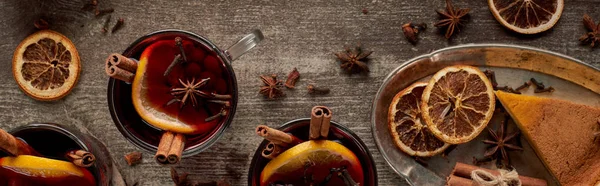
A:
[(213, 65)]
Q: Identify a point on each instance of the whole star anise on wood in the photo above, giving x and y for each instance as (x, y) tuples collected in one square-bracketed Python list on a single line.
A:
[(272, 87), (593, 36), (452, 18), (355, 60), (499, 144)]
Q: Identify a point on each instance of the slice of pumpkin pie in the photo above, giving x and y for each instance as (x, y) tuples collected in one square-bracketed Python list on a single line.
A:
[(562, 134)]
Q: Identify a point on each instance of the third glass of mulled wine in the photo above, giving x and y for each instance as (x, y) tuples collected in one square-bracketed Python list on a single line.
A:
[(204, 61)]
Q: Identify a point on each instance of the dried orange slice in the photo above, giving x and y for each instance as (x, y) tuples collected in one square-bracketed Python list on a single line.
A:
[(409, 131), (527, 16), (458, 103), (46, 65), (314, 159)]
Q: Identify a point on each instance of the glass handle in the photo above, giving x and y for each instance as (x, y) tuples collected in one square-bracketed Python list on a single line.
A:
[(243, 45)]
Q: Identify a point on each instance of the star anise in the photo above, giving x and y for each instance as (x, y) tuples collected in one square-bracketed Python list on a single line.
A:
[(272, 87), (190, 92), (355, 60), (593, 36), (499, 144), (452, 18)]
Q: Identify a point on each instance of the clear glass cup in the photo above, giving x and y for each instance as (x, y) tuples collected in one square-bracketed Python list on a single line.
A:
[(146, 136), (300, 128), (54, 140)]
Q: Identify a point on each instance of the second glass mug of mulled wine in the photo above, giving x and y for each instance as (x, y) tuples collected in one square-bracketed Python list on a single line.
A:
[(187, 78)]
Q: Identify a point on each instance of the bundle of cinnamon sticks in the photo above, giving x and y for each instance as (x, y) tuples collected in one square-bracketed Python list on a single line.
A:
[(320, 119), (461, 176), (170, 148), (279, 141), (120, 67), (15, 147)]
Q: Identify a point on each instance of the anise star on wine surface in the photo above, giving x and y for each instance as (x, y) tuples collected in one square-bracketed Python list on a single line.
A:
[(354, 60), (452, 19), (190, 90), (272, 87), (593, 36), (499, 144)]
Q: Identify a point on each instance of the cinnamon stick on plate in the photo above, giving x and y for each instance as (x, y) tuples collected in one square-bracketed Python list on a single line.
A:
[(464, 171), (14, 146), (170, 148), (81, 158), (320, 119), (277, 137)]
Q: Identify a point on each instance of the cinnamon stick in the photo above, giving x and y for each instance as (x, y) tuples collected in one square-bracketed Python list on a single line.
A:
[(123, 62), (326, 122), (14, 146), (163, 147), (453, 180), (120, 74), (81, 158), (316, 120), (464, 170), (277, 137), (272, 150), (176, 149)]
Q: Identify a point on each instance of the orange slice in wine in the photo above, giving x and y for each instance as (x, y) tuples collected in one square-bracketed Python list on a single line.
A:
[(409, 131), (527, 16), (152, 91), (46, 65), (458, 103), (314, 158), (40, 169)]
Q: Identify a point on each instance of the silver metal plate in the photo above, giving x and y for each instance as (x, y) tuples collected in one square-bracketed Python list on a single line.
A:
[(573, 80)]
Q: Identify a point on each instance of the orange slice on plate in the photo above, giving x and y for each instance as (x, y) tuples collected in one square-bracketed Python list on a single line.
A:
[(527, 16), (458, 103), (314, 158), (46, 65), (409, 131)]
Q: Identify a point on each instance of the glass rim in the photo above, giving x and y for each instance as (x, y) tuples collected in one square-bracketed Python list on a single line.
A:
[(215, 134)]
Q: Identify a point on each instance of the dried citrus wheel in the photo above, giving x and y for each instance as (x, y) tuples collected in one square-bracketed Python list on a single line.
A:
[(527, 16), (314, 159), (458, 103), (409, 131), (46, 65)]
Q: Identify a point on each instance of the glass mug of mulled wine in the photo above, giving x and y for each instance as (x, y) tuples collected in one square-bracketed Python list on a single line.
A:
[(47, 157), (183, 84)]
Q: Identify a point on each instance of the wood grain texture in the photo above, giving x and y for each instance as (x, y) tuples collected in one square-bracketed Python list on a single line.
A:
[(302, 34)]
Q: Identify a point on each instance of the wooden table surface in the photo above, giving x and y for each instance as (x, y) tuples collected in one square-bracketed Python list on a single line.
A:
[(302, 34)]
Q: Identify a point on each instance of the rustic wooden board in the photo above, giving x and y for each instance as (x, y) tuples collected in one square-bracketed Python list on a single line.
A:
[(301, 34)]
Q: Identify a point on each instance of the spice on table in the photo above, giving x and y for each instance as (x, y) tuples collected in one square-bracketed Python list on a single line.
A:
[(354, 61), (365, 11), (179, 179), (411, 31), (92, 5), (105, 25), (593, 36), (271, 87), (41, 24), (461, 175), (320, 119), (452, 18), (103, 11), (499, 144), (81, 158), (292, 78), (312, 89), (133, 158), (118, 26)]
